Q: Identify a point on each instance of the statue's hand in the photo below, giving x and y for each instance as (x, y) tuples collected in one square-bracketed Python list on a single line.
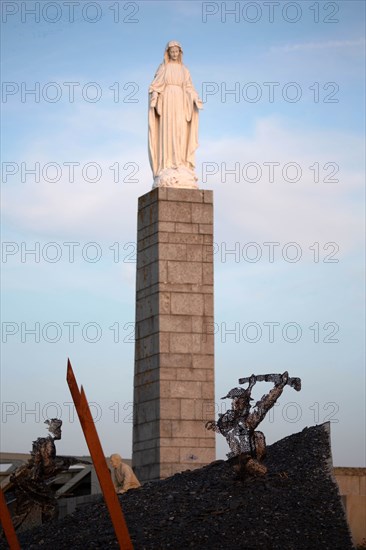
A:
[(198, 103), (252, 380), (210, 425), (154, 100)]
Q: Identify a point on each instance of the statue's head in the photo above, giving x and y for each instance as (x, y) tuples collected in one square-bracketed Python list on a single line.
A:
[(116, 460), (241, 398), (54, 427), (173, 52)]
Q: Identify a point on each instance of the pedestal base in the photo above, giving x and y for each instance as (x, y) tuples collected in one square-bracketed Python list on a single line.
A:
[(174, 353)]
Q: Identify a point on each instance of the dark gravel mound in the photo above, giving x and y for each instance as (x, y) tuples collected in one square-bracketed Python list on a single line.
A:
[(296, 506)]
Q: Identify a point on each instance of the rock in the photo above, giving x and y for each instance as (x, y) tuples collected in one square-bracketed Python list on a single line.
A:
[(296, 506)]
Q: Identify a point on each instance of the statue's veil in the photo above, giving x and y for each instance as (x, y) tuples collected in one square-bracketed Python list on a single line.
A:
[(170, 45)]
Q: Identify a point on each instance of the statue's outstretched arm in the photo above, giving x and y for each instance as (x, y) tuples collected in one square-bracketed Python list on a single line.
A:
[(266, 403)]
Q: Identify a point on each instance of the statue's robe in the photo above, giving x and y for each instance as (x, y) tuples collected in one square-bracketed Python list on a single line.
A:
[(173, 123)]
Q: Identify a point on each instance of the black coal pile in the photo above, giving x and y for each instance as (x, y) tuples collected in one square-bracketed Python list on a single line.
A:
[(295, 506)]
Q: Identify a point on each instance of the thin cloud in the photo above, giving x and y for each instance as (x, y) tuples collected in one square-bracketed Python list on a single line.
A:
[(329, 44), (304, 210)]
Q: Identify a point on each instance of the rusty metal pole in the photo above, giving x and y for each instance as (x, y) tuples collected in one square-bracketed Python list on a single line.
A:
[(7, 524), (99, 461)]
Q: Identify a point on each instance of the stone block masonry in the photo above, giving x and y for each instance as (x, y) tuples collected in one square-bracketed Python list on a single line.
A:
[(174, 350)]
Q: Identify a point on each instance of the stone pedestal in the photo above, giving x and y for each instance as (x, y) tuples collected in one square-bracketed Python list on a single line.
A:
[(174, 350)]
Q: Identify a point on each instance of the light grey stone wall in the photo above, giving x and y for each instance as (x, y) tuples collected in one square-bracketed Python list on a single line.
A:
[(174, 350)]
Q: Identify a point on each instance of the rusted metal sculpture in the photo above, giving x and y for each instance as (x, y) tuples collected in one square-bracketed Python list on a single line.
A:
[(31, 482), (99, 461), (239, 423), (7, 524)]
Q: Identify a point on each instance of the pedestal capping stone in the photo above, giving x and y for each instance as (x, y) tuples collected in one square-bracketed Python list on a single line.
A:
[(174, 349)]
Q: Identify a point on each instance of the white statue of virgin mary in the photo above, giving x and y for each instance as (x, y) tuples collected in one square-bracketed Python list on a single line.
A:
[(173, 122)]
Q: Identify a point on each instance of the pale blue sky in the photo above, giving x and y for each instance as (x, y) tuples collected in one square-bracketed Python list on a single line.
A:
[(319, 137)]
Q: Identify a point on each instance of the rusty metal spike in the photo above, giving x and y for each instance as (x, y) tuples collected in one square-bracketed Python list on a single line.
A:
[(7, 524), (71, 380), (100, 464)]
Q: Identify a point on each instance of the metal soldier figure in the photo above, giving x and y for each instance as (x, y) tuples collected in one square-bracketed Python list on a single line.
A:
[(31, 481), (239, 423)]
